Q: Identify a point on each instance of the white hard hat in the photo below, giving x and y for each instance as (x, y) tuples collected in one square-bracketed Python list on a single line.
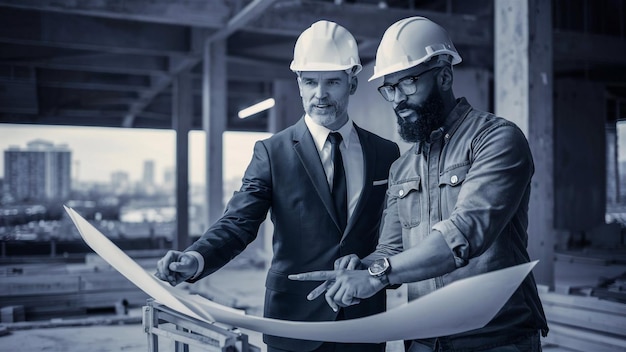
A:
[(326, 46), (410, 42)]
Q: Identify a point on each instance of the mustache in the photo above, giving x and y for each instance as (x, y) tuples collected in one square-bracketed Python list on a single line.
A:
[(402, 106)]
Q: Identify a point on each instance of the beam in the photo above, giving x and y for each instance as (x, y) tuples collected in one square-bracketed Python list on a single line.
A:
[(58, 30), (244, 69), (107, 62), (287, 18), (18, 96), (251, 11), (207, 14), (588, 48), (256, 48), (84, 113), (54, 119), (90, 86), (291, 19), (146, 97), (242, 18), (90, 68), (132, 82)]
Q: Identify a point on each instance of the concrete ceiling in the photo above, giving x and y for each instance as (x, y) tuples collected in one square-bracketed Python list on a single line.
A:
[(112, 63)]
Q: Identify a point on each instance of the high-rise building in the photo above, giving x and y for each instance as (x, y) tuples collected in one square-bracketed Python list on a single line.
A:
[(41, 171), (120, 181), (148, 172), (169, 178)]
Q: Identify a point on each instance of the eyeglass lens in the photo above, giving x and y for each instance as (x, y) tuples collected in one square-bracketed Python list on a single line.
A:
[(407, 86)]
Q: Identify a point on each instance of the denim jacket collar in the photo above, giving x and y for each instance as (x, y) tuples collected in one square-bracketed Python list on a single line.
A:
[(450, 125)]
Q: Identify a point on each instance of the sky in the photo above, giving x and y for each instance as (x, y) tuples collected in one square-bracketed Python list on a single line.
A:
[(97, 152)]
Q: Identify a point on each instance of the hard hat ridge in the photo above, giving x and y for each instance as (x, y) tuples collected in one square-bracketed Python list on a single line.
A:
[(410, 42), (326, 46)]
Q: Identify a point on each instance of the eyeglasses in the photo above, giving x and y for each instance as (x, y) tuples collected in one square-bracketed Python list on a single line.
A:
[(406, 85)]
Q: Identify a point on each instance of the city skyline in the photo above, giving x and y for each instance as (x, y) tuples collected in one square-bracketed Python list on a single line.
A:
[(98, 152)]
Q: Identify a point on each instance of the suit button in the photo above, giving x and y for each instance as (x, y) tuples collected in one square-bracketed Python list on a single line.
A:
[(454, 179), (401, 192)]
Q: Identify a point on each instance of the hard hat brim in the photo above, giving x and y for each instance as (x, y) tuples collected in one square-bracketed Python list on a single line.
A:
[(401, 66), (311, 66)]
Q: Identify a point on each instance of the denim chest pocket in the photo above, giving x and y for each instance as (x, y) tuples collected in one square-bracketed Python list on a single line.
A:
[(450, 182), (408, 194)]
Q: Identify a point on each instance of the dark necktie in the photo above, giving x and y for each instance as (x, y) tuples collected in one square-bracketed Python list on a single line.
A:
[(339, 191)]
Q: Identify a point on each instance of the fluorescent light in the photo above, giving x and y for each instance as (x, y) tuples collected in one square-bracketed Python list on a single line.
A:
[(256, 108)]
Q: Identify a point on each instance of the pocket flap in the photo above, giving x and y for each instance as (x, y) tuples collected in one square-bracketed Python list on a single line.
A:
[(454, 176), (401, 190)]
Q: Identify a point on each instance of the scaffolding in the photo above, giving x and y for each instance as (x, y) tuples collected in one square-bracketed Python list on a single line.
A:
[(160, 321)]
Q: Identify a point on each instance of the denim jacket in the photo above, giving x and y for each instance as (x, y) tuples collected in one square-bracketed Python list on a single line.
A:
[(472, 184)]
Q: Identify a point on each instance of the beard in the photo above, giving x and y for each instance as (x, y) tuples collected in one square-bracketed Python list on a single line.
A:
[(429, 118), (335, 110)]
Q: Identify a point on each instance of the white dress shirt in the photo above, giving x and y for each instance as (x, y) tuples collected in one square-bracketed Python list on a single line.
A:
[(351, 153)]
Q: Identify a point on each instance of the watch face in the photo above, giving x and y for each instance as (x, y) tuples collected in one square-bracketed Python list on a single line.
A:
[(378, 267)]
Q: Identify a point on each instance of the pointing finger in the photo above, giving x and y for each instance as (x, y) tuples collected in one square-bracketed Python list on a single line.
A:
[(314, 276)]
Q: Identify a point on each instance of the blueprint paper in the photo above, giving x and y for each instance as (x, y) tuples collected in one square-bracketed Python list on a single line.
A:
[(461, 306), (106, 249)]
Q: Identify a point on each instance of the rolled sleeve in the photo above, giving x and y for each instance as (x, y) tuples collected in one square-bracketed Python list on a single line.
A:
[(456, 241)]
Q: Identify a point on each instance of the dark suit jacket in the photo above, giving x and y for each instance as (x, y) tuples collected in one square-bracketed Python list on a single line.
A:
[(287, 176)]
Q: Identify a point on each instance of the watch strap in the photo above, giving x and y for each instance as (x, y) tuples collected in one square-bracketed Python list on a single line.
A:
[(384, 278)]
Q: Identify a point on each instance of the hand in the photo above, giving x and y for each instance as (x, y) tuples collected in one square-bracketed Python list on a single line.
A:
[(348, 286), (347, 262), (176, 267)]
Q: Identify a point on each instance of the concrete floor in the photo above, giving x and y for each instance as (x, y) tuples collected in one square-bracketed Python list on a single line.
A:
[(227, 286)]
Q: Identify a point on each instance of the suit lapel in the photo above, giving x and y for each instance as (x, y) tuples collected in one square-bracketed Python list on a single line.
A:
[(309, 157), (369, 162)]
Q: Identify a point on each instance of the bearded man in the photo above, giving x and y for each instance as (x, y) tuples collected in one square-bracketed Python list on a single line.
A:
[(457, 201)]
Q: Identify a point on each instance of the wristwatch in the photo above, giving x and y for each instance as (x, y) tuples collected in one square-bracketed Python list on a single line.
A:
[(379, 269)]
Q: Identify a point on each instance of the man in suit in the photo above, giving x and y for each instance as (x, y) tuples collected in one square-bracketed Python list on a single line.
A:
[(325, 203)]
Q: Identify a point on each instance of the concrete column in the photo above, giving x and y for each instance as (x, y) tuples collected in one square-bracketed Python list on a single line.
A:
[(523, 94), (183, 115), (214, 94), (288, 108), (612, 165)]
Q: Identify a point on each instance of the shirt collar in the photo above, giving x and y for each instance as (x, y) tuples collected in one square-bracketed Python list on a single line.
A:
[(451, 123), (320, 133), (456, 116)]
